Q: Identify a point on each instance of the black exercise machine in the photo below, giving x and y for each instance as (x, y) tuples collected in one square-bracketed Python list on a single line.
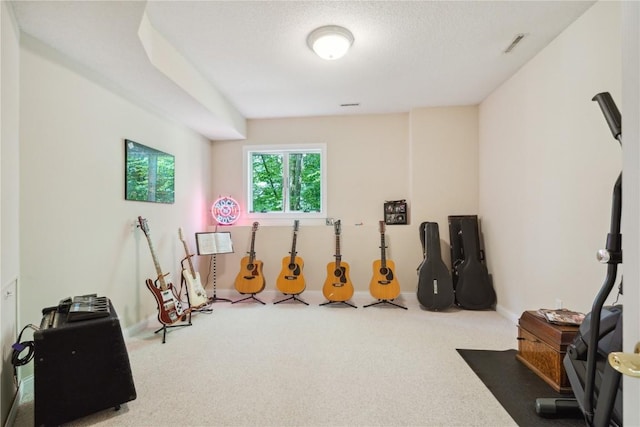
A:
[(596, 385)]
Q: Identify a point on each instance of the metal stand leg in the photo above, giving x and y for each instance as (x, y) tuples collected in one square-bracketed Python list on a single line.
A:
[(292, 297), (165, 327), (214, 298), (385, 301), (252, 296), (338, 302)]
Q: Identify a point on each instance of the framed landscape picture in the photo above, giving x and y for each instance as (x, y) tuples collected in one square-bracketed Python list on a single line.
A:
[(149, 174)]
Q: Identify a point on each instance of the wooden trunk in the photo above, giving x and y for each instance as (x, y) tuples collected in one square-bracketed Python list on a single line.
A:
[(542, 346)]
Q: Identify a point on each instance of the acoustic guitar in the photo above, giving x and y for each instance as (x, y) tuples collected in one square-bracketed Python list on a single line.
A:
[(384, 284), (474, 290), (197, 295), (337, 286), (435, 286), (250, 279), (169, 306), (290, 280)]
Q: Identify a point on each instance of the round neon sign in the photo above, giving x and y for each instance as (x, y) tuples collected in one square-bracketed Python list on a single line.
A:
[(225, 211)]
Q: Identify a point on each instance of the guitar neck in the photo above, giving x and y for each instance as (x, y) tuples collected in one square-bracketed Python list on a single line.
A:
[(337, 255), (188, 255), (252, 253), (383, 252), (293, 248), (163, 284)]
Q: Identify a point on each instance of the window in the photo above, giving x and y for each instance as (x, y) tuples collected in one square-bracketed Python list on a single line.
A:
[(285, 181)]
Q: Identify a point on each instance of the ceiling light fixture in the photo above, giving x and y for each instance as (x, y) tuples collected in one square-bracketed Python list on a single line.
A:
[(330, 42)]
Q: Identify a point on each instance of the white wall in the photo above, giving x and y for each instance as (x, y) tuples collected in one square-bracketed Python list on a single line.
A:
[(428, 157), (444, 166), (9, 195), (548, 163), (77, 233)]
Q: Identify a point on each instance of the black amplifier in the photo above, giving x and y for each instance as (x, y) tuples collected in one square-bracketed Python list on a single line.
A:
[(81, 364)]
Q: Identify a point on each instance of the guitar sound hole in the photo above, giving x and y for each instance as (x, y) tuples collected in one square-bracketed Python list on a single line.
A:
[(292, 266), (250, 267), (384, 271), (337, 272)]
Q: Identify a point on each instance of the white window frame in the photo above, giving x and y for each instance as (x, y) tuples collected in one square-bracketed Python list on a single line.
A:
[(247, 152)]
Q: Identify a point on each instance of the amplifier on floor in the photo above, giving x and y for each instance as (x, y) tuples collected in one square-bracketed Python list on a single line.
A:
[(81, 362)]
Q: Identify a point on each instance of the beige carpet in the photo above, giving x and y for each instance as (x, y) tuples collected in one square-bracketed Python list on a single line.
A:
[(294, 365)]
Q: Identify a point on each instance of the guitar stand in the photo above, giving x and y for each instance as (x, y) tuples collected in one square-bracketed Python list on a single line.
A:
[(292, 297), (165, 327), (385, 301), (252, 296), (338, 302), (214, 298)]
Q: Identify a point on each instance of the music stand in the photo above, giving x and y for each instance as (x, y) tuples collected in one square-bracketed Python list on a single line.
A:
[(214, 243)]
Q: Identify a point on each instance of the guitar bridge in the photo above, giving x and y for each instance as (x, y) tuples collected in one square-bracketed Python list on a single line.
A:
[(249, 277)]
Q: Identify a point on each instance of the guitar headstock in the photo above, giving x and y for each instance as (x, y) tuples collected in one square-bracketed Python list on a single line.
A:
[(296, 222), (143, 225), (336, 227), (254, 227), (381, 224)]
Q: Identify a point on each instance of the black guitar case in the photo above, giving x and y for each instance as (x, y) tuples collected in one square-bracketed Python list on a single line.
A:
[(435, 288), (474, 290), (457, 247)]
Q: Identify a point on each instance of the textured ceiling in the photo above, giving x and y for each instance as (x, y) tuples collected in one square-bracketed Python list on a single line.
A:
[(405, 55)]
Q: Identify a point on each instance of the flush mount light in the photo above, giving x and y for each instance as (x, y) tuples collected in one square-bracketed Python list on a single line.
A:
[(330, 42)]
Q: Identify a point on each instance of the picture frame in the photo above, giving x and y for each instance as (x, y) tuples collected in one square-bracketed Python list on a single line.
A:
[(396, 212), (149, 174)]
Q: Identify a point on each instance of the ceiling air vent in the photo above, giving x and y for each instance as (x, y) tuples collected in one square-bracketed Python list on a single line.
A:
[(353, 104), (518, 38)]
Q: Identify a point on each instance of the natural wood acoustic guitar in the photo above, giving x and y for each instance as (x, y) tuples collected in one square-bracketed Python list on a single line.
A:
[(337, 286), (250, 279), (169, 306), (291, 281), (384, 284)]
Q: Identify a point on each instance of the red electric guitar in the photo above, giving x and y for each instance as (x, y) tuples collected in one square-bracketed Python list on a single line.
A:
[(169, 306)]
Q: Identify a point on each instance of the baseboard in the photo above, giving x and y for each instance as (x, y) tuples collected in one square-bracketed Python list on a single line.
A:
[(25, 394), (137, 328), (270, 294), (507, 314)]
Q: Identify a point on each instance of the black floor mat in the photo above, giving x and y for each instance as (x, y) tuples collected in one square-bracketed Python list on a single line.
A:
[(515, 386)]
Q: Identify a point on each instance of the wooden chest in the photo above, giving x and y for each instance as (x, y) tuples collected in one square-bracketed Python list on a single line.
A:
[(542, 346)]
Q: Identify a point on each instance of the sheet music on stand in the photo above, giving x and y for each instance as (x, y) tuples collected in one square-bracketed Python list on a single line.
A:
[(214, 243)]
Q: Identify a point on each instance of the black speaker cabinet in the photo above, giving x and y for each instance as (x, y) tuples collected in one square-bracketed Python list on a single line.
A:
[(81, 367), (457, 243)]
